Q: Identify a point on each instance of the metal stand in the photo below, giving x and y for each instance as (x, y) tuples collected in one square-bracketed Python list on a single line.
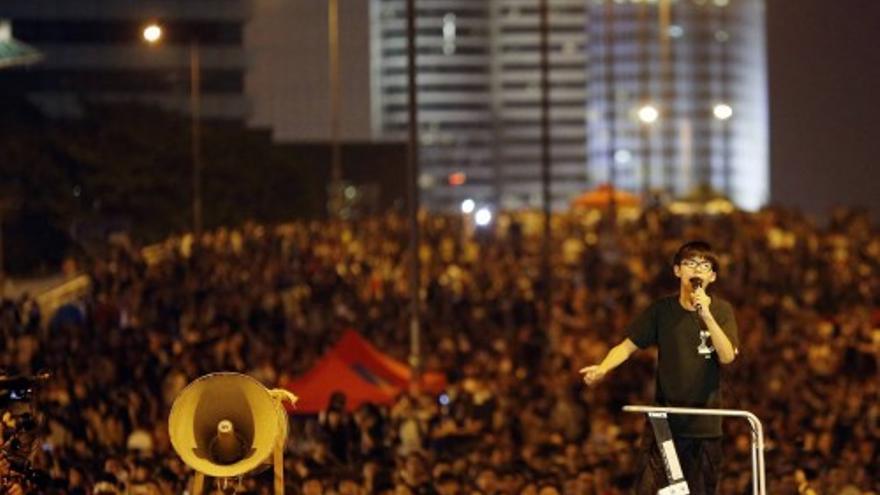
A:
[(223, 484), (758, 477)]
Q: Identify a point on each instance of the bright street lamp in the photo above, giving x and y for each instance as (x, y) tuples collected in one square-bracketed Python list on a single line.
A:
[(722, 111), (648, 114), (467, 206), (152, 35)]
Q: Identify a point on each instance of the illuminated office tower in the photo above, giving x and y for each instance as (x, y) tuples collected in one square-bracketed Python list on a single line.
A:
[(677, 96), (517, 100), (479, 97)]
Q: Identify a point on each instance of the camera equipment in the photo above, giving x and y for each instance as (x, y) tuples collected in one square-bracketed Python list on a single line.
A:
[(20, 428), (20, 388), (21, 472)]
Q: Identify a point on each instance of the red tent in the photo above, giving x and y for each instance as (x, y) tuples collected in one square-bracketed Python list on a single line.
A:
[(331, 374), (360, 371), (359, 353)]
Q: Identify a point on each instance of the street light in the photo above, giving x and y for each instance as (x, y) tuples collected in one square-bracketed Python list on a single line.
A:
[(152, 34), (648, 114), (336, 200), (722, 111)]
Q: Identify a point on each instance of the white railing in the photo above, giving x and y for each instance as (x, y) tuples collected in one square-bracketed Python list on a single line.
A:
[(758, 476)]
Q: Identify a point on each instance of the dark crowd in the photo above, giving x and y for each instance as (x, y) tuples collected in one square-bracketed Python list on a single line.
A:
[(515, 417)]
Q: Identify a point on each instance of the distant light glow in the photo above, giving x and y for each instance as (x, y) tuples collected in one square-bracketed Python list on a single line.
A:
[(457, 178), (467, 206), (676, 31), (722, 111), (483, 217), (648, 114), (721, 36), (427, 181), (152, 33), (622, 156)]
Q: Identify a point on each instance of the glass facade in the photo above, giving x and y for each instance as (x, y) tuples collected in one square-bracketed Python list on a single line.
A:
[(696, 66), (700, 64), (479, 97)]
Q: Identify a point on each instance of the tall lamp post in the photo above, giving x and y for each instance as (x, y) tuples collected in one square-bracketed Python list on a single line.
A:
[(415, 353), (723, 112), (336, 199), (546, 273), (647, 114), (153, 34)]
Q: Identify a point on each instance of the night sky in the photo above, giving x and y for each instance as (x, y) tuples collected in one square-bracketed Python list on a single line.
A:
[(824, 78)]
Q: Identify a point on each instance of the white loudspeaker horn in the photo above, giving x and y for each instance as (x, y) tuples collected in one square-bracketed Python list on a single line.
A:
[(225, 425)]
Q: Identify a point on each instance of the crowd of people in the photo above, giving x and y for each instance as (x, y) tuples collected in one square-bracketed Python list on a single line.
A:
[(509, 334)]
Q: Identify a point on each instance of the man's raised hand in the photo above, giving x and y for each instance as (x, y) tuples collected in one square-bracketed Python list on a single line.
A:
[(592, 374)]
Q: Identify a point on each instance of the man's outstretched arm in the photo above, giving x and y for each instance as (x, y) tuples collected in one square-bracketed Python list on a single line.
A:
[(616, 356)]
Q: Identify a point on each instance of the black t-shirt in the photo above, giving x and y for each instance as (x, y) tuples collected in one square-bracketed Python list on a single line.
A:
[(685, 376)]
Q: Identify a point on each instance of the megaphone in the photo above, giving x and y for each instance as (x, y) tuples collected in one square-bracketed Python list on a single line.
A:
[(224, 425)]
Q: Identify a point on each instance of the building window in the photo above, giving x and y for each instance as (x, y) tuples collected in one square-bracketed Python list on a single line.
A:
[(449, 34)]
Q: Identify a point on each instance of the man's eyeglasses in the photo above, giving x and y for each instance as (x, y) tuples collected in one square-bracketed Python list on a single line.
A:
[(698, 265)]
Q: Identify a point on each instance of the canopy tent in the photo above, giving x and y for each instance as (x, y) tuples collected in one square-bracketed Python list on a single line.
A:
[(332, 374), (602, 196), (363, 373), (14, 52), (358, 352)]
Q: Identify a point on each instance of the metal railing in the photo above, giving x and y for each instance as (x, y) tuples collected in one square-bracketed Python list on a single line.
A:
[(758, 476)]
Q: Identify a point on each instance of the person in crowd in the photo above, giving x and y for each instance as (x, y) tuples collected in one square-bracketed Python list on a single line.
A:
[(269, 300)]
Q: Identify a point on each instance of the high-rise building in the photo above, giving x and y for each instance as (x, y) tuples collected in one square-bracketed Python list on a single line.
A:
[(479, 98), (454, 93), (677, 96), (695, 69), (94, 50), (516, 98)]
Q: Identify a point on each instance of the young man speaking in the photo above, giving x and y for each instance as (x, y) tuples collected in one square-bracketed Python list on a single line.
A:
[(695, 334)]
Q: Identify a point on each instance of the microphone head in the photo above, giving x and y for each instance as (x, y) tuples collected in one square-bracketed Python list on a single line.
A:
[(696, 282)]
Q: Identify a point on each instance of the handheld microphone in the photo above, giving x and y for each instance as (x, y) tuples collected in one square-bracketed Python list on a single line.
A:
[(697, 283)]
